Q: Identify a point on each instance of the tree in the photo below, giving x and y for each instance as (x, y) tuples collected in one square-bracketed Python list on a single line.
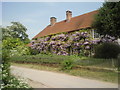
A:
[(16, 30), (107, 21), (107, 50), (5, 33)]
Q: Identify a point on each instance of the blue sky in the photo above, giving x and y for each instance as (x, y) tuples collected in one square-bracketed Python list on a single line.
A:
[(36, 15)]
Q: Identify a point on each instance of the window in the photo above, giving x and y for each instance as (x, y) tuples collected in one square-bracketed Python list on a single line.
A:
[(95, 34)]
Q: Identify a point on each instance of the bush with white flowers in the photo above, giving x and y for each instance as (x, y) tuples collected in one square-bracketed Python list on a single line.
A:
[(9, 81)]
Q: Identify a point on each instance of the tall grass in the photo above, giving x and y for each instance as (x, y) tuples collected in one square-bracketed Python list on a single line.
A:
[(58, 59)]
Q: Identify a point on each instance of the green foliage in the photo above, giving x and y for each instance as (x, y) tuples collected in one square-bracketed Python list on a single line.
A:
[(15, 83), (38, 59), (20, 50), (16, 30), (118, 62), (5, 33), (33, 51), (67, 65), (15, 46), (107, 50), (5, 66), (10, 43), (8, 81), (107, 20), (58, 60), (96, 62)]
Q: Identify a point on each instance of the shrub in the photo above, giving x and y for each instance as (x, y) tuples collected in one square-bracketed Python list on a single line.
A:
[(67, 64), (118, 63), (19, 50), (33, 51), (15, 47), (107, 50), (14, 83), (6, 65), (8, 81)]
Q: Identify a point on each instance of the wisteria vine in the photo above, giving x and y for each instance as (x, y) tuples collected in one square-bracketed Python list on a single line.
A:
[(77, 42)]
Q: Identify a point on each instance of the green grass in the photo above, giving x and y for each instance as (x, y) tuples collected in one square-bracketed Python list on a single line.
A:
[(104, 76), (57, 60), (40, 59), (36, 66), (98, 75), (87, 61)]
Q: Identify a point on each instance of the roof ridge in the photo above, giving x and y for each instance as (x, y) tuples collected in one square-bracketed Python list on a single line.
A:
[(77, 16), (77, 22)]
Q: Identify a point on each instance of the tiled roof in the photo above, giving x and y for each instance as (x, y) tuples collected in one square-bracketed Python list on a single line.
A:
[(75, 23)]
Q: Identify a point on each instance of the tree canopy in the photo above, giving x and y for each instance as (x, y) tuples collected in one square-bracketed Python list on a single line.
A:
[(16, 30), (107, 21)]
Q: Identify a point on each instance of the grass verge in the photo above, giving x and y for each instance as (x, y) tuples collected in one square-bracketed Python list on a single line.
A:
[(58, 59), (97, 75)]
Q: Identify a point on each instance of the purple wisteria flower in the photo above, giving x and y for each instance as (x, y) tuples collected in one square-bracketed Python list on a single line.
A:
[(74, 35), (61, 35), (47, 39), (62, 44), (107, 38), (86, 43), (95, 41), (52, 42), (87, 47), (67, 45), (32, 42), (53, 38), (77, 44), (78, 33), (76, 39), (62, 53), (59, 43)]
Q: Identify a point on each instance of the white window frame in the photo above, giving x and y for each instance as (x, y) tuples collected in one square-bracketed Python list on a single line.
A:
[(93, 34)]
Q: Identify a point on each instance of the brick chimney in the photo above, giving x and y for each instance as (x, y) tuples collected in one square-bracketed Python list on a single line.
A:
[(68, 15), (52, 21)]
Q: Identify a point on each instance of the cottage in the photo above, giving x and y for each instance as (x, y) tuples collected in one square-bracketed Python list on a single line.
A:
[(74, 35)]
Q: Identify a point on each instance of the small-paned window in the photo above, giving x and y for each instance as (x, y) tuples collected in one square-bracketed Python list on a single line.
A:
[(95, 34)]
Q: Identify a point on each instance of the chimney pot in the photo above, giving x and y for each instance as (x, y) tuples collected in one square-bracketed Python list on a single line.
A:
[(68, 15), (52, 21)]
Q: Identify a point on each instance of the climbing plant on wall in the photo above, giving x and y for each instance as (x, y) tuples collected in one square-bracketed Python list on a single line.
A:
[(72, 43)]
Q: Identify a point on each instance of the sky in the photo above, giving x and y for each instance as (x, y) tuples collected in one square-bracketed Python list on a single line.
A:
[(35, 16)]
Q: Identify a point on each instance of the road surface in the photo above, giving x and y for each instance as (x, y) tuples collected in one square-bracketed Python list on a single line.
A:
[(47, 79)]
